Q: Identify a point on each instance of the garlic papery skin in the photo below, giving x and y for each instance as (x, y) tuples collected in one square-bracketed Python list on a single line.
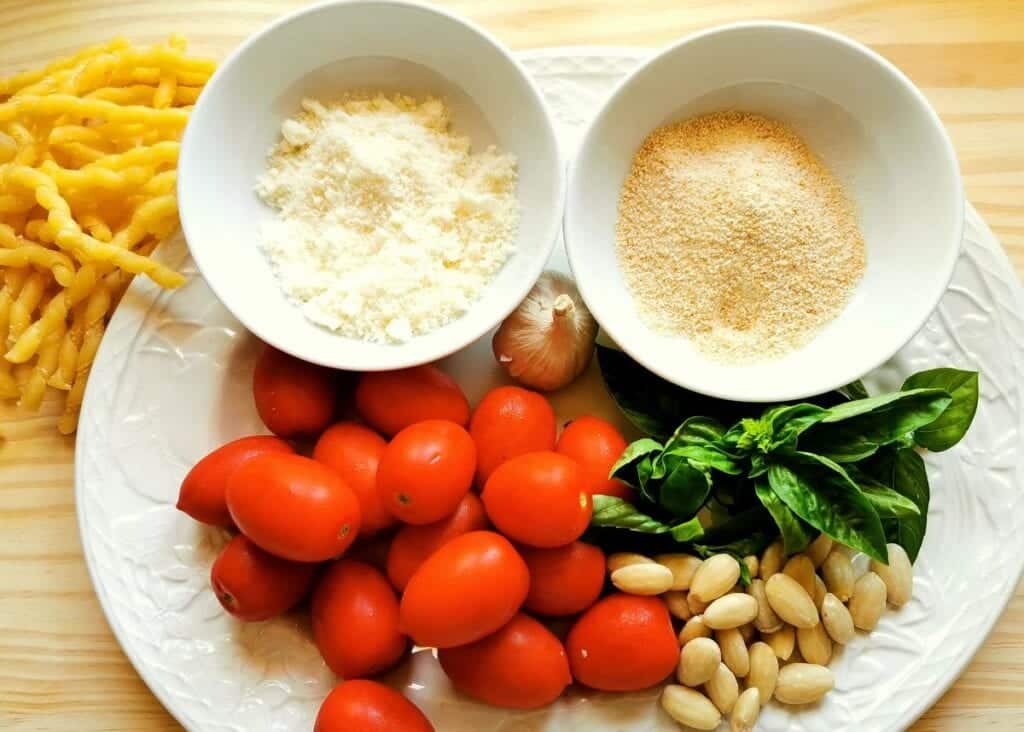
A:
[(549, 339)]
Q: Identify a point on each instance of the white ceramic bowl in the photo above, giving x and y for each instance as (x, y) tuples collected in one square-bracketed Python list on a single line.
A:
[(323, 51), (870, 125)]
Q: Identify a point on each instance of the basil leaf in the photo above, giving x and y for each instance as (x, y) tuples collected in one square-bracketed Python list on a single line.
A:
[(653, 404), (788, 423), (709, 456), (855, 430), (854, 390), (684, 490), (795, 537), (745, 533), (904, 471), (635, 466), (830, 502), (613, 512), (697, 431), (953, 423), (888, 503)]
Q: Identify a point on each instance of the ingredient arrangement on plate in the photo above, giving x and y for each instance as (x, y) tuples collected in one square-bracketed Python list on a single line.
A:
[(729, 552), (88, 158)]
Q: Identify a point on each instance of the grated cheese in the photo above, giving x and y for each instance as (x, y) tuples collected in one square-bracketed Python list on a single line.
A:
[(388, 225)]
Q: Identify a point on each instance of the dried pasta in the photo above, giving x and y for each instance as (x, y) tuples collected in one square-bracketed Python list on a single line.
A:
[(88, 167)]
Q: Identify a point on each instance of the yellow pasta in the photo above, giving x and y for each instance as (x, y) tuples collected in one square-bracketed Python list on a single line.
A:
[(88, 168)]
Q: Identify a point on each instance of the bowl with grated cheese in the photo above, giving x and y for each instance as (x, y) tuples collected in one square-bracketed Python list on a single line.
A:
[(370, 185)]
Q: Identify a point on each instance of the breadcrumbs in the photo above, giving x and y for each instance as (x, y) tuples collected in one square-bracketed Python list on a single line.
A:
[(733, 233)]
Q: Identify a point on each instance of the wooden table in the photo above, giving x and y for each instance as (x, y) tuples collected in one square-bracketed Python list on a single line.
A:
[(60, 667)]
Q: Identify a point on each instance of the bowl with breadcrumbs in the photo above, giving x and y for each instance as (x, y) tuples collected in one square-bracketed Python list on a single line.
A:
[(371, 184), (764, 211)]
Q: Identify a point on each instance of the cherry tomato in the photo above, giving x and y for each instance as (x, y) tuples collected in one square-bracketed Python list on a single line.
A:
[(596, 445), (413, 544), (507, 422), (293, 398), (354, 452), (539, 499), (623, 643), (202, 491), (293, 507), (254, 585), (366, 706), (565, 580), (425, 471), (521, 666), (465, 590), (390, 401), (355, 620)]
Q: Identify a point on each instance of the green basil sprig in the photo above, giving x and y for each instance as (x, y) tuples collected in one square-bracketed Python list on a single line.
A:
[(843, 464)]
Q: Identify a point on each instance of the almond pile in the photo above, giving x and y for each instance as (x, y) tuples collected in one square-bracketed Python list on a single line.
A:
[(743, 646)]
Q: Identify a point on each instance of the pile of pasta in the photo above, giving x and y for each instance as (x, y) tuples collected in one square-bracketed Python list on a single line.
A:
[(88, 168)]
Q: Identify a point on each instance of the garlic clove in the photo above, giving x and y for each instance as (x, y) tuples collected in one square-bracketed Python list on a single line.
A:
[(549, 339)]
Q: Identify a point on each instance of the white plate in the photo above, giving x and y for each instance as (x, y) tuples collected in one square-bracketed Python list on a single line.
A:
[(171, 382)]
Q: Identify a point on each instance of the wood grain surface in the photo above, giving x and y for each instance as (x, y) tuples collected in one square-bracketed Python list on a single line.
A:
[(60, 666)]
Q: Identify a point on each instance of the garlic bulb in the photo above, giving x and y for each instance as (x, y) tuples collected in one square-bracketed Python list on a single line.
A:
[(549, 339)]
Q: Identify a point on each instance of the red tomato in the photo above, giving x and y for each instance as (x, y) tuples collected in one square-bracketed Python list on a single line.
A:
[(426, 470), (539, 499), (521, 666), (293, 398), (596, 445), (623, 643), (202, 491), (293, 507), (510, 421), (254, 585), (354, 452), (465, 590), (366, 706), (565, 580), (390, 401), (413, 544), (355, 620)]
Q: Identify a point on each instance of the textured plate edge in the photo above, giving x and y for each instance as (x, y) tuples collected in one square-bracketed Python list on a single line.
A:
[(145, 291)]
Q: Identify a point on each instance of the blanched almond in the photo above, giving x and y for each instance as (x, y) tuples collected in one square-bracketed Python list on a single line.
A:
[(678, 607), (682, 566), (819, 592), (764, 670), (643, 579), (753, 564), (800, 568), (771, 560), (730, 611), (766, 621), (697, 607), (723, 689), (898, 575), (714, 577), (803, 683), (625, 559), (868, 601), (815, 644), (745, 712), (781, 641), (748, 631), (819, 549), (790, 601), (837, 619), (694, 628), (838, 573), (689, 707), (734, 651), (698, 661)]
